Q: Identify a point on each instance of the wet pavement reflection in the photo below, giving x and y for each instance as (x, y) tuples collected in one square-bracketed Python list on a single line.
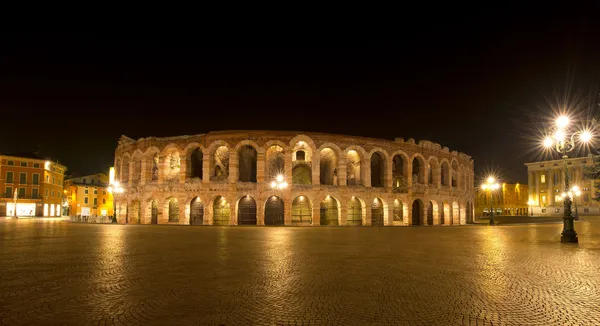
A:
[(56, 272)]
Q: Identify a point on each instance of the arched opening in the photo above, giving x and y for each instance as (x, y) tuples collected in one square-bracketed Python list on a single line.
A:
[(329, 211), (301, 175), (275, 162), (246, 211), (455, 174), (173, 210), (377, 212), (137, 169), (377, 169), (430, 176), (196, 212), (355, 210), (125, 170), (154, 167), (430, 214), (418, 170), (442, 214), (300, 155), (398, 211), (398, 177), (416, 212), (445, 174), (301, 211), (455, 213), (353, 170), (172, 166), (134, 212), (220, 161), (247, 164), (196, 161), (154, 212), (328, 167), (274, 211), (221, 211)]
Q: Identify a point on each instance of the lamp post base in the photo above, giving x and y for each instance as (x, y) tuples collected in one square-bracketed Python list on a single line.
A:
[(492, 222), (568, 234)]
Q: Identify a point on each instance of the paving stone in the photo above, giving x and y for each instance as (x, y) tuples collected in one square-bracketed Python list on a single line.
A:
[(59, 273)]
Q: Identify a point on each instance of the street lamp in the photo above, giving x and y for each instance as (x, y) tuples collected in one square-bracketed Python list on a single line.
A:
[(530, 202), (491, 185), (279, 182), (576, 193), (115, 188), (563, 142)]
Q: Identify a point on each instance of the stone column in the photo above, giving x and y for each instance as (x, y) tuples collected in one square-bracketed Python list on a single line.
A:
[(343, 212), (342, 173), (367, 174), (233, 218), (287, 167), (260, 167), (368, 215), (316, 167), (390, 215), (233, 167), (182, 169), (144, 168), (260, 210), (316, 218), (206, 167), (550, 182), (530, 189), (537, 188), (130, 167), (388, 176), (287, 207)]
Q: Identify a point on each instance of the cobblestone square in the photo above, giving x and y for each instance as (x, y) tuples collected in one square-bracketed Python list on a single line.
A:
[(54, 272)]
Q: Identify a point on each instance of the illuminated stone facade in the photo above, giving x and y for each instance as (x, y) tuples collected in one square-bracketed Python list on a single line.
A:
[(546, 185), (231, 178)]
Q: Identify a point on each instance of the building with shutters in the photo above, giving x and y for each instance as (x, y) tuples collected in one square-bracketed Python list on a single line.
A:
[(291, 178), (88, 196), (30, 186)]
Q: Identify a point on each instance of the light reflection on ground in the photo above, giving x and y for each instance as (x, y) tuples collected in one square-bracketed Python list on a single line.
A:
[(54, 272)]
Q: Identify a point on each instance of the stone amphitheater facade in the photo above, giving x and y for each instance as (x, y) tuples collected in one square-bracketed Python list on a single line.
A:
[(291, 178)]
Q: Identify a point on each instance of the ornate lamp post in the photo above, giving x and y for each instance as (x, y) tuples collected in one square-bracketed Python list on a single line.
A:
[(530, 203), (574, 193), (490, 185), (563, 142), (113, 189)]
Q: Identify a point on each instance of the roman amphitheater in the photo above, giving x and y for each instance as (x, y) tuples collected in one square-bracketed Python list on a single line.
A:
[(291, 178)]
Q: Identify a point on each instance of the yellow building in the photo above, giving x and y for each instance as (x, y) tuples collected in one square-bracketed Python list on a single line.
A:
[(89, 196), (30, 186), (509, 200), (547, 184)]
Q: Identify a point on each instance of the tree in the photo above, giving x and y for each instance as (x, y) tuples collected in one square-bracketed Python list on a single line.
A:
[(593, 173)]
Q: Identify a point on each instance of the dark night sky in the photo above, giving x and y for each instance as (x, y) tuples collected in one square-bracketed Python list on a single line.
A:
[(472, 84)]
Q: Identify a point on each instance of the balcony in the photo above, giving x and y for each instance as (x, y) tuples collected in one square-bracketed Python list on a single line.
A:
[(21, 197)]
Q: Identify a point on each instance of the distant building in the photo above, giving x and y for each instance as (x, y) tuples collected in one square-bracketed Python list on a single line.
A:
[(89, 196), (510, 199), (546, 184), (34, 184)]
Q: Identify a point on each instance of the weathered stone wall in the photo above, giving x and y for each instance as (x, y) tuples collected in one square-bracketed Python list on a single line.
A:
[(159, 170)]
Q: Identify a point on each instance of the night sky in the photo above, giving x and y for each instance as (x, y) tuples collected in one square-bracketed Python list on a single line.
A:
[(477, 85)]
